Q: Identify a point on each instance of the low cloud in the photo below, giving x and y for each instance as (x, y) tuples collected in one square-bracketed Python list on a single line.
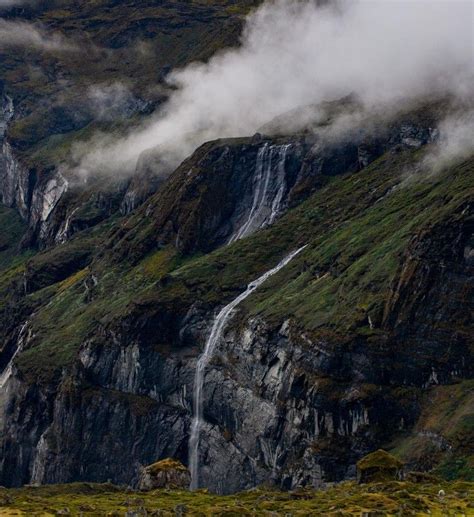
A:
[(455, 143), (30, 36), (295, 53), (112, 101)]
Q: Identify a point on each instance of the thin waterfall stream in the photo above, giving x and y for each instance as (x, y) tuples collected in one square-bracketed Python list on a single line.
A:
[(8, 370), (217, 330), (268, 190)]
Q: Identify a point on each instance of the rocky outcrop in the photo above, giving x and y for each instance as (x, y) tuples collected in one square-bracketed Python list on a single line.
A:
[(170, 474), (35, 198), (16, 182), (261, 423), (228, 189), (379, 466), (57, 205), (435, 278), (279, 405)]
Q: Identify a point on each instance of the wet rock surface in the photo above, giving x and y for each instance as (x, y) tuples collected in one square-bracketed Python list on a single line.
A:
[(283, 405)]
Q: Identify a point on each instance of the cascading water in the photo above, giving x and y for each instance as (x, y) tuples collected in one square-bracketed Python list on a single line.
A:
[(216, 333), (8, 370), (269, 181), (276, 204)]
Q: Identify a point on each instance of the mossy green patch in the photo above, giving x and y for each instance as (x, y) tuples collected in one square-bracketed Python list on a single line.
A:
[(443, 436), (349, 499), (379, 459), (356, 228)]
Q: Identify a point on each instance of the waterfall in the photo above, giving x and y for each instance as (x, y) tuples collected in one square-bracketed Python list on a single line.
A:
[(216, 333), (276, 204), (8, 370), (269, 189)]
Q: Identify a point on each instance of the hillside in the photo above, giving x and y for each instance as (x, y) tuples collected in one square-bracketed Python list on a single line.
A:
[(333, 345), (282, 304), (70, 73)]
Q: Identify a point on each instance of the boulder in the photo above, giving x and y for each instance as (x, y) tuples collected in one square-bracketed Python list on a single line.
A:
[(379, 466), (167, 473)]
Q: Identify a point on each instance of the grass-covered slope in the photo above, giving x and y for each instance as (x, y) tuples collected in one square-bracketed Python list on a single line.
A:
[(357, 229), (384, 275), (107, 45), (444, 434), (395, 498)]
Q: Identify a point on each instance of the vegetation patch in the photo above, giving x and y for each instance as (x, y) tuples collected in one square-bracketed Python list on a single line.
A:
[(443, 436), (349, 499), (356, 229)]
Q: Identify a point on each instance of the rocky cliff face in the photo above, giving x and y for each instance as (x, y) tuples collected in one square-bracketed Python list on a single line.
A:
[(50, 100), (228, 189), (325, 362), (16, 182), (279, 405), (55, 206)]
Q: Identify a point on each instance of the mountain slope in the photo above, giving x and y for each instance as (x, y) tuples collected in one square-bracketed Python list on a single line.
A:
[(328, 360), (69, 74), (110, 283)]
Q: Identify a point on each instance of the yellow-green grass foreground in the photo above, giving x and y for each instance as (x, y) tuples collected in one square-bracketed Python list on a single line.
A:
[(379, 499)]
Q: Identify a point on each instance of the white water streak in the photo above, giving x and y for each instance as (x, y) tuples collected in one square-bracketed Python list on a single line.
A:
[(218, 327), (266, 202), (8, 370), (282, 184)]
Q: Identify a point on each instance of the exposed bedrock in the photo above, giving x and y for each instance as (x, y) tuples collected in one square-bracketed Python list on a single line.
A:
[(226, 190), (278, 407), (230, 188), (281, 404), (57, 204)]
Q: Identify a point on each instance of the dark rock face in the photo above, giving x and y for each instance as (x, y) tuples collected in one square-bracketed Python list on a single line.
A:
[(211, 199), (114, 74), (435, 283), (211, 195), (280, 404), (16, 182), (57, 207)]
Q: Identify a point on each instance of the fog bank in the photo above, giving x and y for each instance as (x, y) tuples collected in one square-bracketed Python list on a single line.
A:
[(295, 53)]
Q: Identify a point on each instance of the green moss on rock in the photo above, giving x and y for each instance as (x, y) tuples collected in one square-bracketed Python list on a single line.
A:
[(167, 465), (167, 473), (379, 466)]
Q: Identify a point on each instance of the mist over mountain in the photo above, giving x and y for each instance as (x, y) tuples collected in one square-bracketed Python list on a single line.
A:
[(298, 53), (236, 254)]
